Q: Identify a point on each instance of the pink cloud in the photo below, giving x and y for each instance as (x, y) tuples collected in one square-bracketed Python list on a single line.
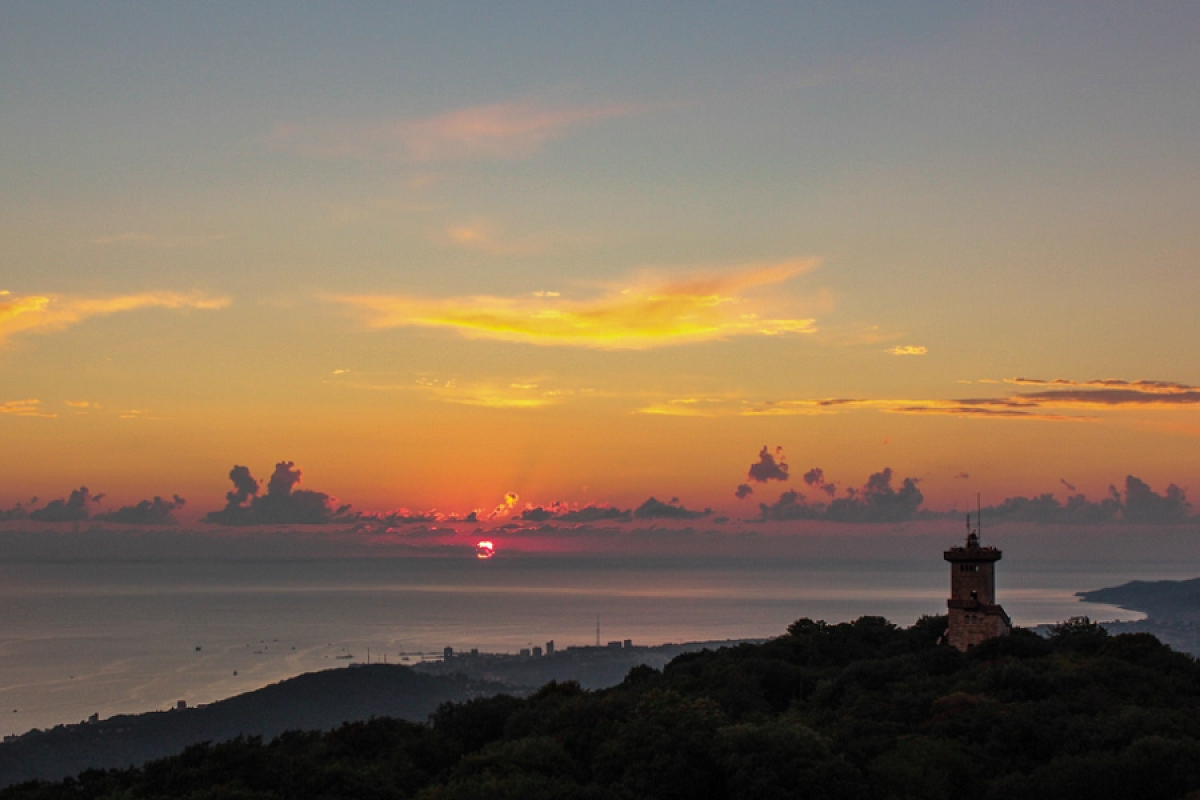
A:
[(496, 131)]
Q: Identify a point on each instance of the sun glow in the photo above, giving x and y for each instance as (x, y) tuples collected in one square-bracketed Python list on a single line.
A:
[(485, 549)]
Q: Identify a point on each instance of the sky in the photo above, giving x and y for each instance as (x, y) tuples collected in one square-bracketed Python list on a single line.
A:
[(483, 264)]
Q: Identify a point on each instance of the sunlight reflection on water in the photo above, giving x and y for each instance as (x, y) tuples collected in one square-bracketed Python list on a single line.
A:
[(118, 637)]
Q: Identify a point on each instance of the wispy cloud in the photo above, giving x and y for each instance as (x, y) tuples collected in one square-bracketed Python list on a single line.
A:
[(957, 410), (157, 241), (1106, 392), (496, 131), (25, 408), (907, 350), (978, 408), (139, 413), (638, 316), (704, 406), (486, 236), (46, 313), (1152, 387), (492, 395), (513, 394), (1062, 395)]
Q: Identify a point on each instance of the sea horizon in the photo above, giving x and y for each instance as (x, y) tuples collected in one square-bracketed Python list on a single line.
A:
[(120, 636)]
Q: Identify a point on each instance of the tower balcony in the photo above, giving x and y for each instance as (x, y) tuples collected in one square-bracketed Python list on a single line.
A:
[(976, 554)]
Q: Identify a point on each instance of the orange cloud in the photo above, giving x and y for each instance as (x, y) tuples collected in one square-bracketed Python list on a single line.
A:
[(907, 350), (501, 130), (652, 314), (25, 408), (47, 313), (978, 412), (1150, 387)]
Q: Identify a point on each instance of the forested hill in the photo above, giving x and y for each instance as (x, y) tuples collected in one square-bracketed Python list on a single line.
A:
[(854, 710), (316, 701)]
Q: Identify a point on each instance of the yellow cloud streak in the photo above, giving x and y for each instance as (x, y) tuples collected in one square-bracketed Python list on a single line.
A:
[(636, 318), (495, 396), (486, 395), (25, 408), (907, 350), (47, 313), (835, 405)]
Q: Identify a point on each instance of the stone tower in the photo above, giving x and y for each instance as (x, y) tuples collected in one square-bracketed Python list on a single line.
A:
[(974, 614)]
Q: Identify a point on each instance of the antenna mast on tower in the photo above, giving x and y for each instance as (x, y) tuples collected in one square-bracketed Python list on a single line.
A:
[(978, 515)]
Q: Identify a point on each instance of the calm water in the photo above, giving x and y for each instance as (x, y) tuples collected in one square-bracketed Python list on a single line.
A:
[(114, 637)]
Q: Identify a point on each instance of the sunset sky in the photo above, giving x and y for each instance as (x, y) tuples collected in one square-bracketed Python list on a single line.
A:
[(589, 254)]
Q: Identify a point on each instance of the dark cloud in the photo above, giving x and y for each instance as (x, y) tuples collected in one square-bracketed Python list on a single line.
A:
[(380, 531), (879, 502), (505, 508), (876, 501), (1046, 508), (147, 512), (74, 509), (1061, 392), (19, 511), (597, 514), (283, 479), (1142, 504), (1063, 481), (656, 509), (815, 478), (791, 505), (281, 505), (400, 517), (1151, 387), (244, 486), (1113, 397), (970, 408), (561, 513), (770, 466), (962, 476), (1138, 504), (743, 491)]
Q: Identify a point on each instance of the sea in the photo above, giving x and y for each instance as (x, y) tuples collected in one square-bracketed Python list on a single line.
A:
[(87, 637)]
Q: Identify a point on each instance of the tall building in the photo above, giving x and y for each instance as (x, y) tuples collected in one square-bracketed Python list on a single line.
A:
[(975, 616)]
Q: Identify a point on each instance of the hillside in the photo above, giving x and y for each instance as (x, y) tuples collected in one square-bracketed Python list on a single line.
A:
[(316, 701), (1172, 610), (1162, 599), (854, 710)]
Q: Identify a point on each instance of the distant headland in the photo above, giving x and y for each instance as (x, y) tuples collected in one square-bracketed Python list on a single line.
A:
[(1172, 610)]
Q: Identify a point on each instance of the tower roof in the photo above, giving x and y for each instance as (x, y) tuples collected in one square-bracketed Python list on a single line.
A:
[(972, 551)]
